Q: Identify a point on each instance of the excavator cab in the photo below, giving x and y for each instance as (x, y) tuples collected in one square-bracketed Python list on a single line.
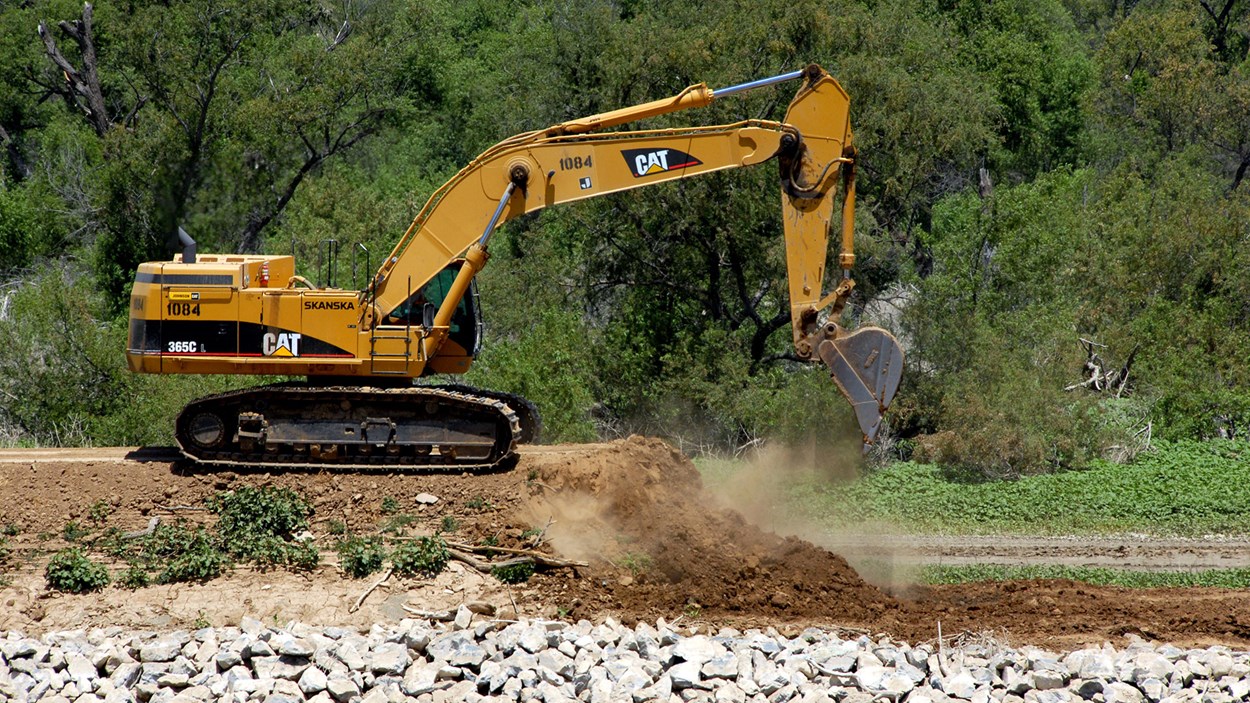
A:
[(466, 321)]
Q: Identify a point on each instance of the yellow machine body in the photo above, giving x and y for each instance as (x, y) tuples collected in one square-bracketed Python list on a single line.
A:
[(240, 314), (236, 314)]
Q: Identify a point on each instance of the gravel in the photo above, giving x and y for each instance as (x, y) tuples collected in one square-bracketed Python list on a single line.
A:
[(546, 662)]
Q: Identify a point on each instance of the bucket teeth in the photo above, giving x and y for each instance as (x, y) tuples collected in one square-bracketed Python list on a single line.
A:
[(867, 365)]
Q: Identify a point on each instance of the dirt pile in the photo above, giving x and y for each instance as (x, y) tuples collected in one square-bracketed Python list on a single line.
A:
[(639, 505), (656, 542)]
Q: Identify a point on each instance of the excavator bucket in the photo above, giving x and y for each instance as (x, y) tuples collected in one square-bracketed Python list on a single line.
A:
[(867, 365)]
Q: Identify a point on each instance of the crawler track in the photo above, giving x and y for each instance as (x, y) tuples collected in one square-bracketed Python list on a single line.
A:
[(350, 428)]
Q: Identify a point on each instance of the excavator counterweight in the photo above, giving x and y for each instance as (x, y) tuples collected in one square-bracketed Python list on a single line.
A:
[(361, 350)]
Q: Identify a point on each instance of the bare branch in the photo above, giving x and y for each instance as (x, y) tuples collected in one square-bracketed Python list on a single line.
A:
[(83, 84)]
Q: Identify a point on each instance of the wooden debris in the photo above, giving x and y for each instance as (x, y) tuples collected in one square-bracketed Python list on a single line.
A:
[(537, 557), (369, 590)]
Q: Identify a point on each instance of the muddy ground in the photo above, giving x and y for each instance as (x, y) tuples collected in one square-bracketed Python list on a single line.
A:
[(656, 544)]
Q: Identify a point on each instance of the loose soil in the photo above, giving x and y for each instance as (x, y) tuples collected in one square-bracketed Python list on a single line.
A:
[(656, 543)]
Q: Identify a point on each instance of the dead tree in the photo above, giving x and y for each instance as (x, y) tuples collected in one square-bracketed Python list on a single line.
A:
[(81, 88), (1097, 377)]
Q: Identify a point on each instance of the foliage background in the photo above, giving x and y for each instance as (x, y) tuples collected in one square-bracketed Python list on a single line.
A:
[(1033, 172)]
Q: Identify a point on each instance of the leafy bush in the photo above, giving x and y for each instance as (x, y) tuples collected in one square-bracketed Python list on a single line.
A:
[(100, 511), (425, 556), (269, 552), (360, 556), (635, 562), (135, 576), (547, 363), (74, 531), (302, 555), (516, 573), (199, 560), (260, 524), (71, 571), (164, 544), (62, 380)]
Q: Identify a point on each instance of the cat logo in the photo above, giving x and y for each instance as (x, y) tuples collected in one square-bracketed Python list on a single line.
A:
[(647, 162), (280, 344)]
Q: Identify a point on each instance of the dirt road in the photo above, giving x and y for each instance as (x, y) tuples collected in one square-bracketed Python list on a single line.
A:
[(636, 510)]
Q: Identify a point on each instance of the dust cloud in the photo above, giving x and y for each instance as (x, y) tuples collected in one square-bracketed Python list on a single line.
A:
[(576, 524), (761, 490)]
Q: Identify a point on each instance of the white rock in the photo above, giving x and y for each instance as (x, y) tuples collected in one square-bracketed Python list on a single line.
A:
[(684, 675), (632, 680), (1154, 689), (553, 694), (556, 661), (464, 617), (312, 681), (292, 646), (1050, 696), (1097, 666), (532, 639), (419, 679), (389, 658), (698, 649), (730, 693), (227, 659), (1150, 665), (163, 649), (1047, 679), (277, 667), (342, 689), (252, 626), (961, 685), (724, 666), (870, 677), (457, 649)]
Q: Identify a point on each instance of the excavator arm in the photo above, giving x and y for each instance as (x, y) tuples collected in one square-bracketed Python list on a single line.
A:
[(576, 160), (360, 350)]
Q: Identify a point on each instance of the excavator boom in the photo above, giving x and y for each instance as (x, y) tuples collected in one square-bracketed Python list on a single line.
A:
[(419, 316)]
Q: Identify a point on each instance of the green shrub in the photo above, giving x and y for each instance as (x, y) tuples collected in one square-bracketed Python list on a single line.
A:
[(73, 531), (135, 576), (200, 560), (516, 573), (635, 562), (425, 556), (100, 511), (396, 523), (269, 552), (360, 556), (259, 524), (166, 542), (302, 555), (70, 571)]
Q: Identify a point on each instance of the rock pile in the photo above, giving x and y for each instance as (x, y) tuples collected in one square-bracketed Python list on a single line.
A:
[(552, 662)]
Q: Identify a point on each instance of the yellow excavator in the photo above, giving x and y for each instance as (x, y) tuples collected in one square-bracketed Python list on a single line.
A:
[(361, 349)]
